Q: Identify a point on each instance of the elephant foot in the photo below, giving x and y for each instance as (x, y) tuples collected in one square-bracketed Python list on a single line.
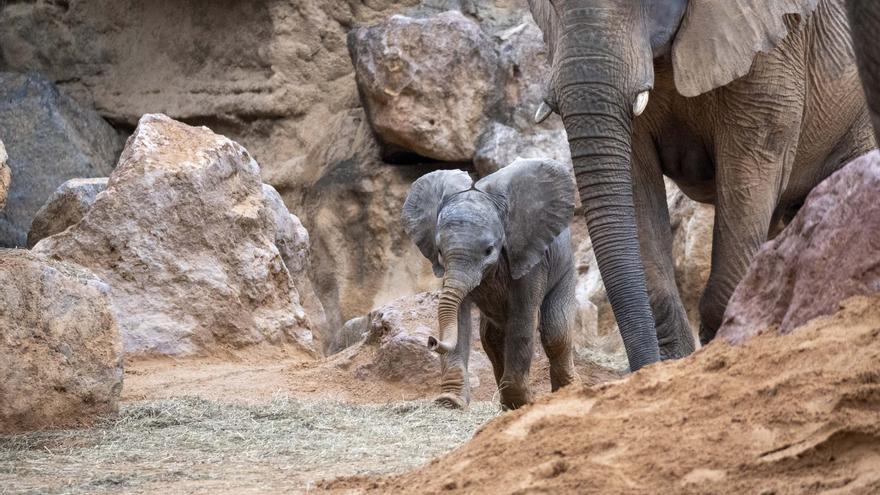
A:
[(706, 334), (514, 397), (450, 401)]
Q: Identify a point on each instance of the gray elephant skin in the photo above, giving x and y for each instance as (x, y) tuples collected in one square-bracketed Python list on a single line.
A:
[(504, 245), (744, 104)]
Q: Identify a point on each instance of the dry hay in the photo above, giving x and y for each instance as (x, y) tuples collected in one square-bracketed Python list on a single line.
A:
[(191, 444)]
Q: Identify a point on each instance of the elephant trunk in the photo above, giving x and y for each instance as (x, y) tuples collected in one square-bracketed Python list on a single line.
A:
[(597, 115), (456, 286)]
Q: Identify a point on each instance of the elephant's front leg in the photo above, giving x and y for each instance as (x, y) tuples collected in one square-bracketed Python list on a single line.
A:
[(748, 182), (454, 385), (655, 243), (519, 340)]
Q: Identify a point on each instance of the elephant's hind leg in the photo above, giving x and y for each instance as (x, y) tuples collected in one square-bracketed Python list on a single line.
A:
[(493, 343), (556, 324)]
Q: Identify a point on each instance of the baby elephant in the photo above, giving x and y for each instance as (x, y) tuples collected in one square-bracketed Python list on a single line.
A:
[(503, 244)]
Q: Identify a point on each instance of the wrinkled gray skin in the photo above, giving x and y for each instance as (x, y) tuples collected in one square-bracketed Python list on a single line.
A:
[(504, 245), (751, 132), (864, 20)]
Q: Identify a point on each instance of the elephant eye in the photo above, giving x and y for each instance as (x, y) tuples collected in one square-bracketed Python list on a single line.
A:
[(488, 250)]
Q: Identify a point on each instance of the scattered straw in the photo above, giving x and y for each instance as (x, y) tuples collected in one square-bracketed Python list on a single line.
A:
[(285, 444)]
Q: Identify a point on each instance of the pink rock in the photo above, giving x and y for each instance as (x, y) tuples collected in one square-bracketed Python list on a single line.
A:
[(829, 252)]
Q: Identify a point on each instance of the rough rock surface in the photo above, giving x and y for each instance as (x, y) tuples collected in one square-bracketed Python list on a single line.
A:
[(829, 252), (65, 207), (185, 239), (60, 351), (350, 202), (427, 84), (780, 414), (266, 74), (292, 241), (5, 176), (50, 138), (394, 346), (500, 145)]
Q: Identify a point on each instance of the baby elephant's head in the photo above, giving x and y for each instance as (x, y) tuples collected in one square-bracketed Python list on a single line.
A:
[(467, 229)]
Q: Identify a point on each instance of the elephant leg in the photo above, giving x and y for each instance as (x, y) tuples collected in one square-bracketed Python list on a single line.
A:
[(557, 323), (748, 189), (519, 340), (454, 383), (493, 343), (674, 333)]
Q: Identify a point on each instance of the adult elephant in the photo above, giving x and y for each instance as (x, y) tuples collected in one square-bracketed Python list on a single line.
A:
[(752, 103), (864, 19)]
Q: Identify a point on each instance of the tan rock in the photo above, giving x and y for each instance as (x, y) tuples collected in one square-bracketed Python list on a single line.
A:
[(829, 252), (60, 351), (427, 84), (501, 145), (5, 176), (65, 207), (184, 237), (394, 346)]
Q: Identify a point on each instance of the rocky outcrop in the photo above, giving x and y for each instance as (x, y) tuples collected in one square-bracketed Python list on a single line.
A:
[(50, 138), (185, 239), (350, 202), (65, 207), (5, 176), (828, 253), (428, 85), (60, 351)]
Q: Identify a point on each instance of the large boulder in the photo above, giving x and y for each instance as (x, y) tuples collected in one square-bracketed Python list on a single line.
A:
[(5, 176), (69, 204), (184, 237), (429, 84), (65, 207), (50, 138), (829, 252), (60, 351)]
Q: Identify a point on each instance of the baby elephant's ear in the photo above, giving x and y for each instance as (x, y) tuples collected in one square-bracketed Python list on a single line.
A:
[(419, 216), (539, 198)]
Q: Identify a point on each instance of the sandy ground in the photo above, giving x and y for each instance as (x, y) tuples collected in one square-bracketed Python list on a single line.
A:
[(795, 414), (781, 414)]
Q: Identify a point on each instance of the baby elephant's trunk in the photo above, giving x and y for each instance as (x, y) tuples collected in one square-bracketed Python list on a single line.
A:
[(450, 300)]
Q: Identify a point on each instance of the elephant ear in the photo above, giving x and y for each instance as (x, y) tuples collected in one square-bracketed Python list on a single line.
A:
[(538, 196), (718, 39), (545, 18), (419, 215)]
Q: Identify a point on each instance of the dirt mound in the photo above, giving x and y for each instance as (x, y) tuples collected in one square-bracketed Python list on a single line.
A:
[(798, 413)]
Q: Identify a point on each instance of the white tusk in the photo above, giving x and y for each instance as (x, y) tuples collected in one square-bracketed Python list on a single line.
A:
[(543, 112), (640, 103)]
